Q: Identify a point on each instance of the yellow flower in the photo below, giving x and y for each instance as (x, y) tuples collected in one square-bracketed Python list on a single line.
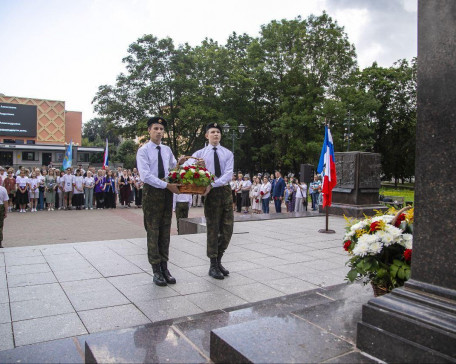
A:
[(409, 216), (360, 232)]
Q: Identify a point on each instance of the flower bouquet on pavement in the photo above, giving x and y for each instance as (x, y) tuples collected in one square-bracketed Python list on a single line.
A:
[(380, 249), (192, 179)]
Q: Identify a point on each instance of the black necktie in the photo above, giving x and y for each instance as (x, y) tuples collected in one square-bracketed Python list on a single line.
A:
[(161, 169), (218, 172)]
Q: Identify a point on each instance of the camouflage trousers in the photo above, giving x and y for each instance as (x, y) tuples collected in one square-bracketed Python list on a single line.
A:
[(2, 219), (157, 207), (181, 212), (218, 210)]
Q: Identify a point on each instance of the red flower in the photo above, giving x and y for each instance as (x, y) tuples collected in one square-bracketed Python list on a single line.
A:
[(196, 175), (375, 226), (182, 174), (408, 255), (186, 168), (174, 175), (347, 245), (192, 167), (208, 175), (262, 193), (399, 220), (257, 200)]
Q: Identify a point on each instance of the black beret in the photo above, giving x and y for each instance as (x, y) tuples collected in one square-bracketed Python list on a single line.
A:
[(156, 120), (213, 125)]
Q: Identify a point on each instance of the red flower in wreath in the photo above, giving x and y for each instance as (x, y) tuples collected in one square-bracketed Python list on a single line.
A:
[(375, 226), (208, 175), (182, 174), (347, 245), (262, 193), (186, 168), (174, 175), (196, 175), (192, 167), (399, 220), (408, 255), (257, 200)]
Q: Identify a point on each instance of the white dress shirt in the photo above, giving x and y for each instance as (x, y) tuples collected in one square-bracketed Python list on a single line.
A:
[(301, 193), (182, 197), (226, 159), (266, 189), (147, 161), (3, 195)]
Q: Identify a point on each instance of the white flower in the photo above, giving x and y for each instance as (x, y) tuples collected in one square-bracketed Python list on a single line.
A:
[(407, 241), (358, 226), (394, 231), (375, 248), (361, 249), (349, 235), (388, 239), (182, 171), (385, 218), (201, 172)]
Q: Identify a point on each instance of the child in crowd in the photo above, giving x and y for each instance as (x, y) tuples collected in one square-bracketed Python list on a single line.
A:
[(99, 184), (34, 192), (78, 190), (109, 190), (89, 183), (22, 184), (10, 185), (67, 186)]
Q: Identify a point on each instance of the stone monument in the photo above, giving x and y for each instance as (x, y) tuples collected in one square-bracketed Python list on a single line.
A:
[(417, 323), (358, 184)]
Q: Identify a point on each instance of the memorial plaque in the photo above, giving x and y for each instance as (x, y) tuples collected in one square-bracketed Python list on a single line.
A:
[(345, 167), (370, 165)]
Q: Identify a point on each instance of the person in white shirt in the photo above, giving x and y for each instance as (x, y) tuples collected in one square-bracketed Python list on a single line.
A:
[(154, 161), (3, 175), (40, 176), (3, 211), (301, 196), (245, 187), (89, 184), (22, 183), (233, 185), (78, 190), (255, 195), (218, 204), (34, 192), (67, 184), (181, 206), (265, 194)]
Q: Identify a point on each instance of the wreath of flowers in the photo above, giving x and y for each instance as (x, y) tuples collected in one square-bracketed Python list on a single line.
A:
[(192, 174), (380, 248)]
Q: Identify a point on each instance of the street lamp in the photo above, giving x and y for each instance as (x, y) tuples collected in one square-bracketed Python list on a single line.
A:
[(234, 136), (347, 134)]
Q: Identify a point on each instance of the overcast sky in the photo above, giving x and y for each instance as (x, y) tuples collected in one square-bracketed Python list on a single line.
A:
[(64, 49)]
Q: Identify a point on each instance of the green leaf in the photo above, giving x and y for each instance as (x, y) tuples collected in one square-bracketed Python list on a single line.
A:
[(401, 273), (352, 275)]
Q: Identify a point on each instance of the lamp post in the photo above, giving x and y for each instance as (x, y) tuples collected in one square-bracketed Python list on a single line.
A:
[(347, 134), (234, 135)]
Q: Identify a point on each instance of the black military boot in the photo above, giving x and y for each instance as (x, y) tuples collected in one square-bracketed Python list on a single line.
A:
[(214, 270), (159, 280), (224, 271), (168, 277)]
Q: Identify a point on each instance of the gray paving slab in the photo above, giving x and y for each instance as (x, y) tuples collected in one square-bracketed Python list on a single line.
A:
[(11, 260), (168, 308), (28, 293), (290, 285), (112, 318), (31, 279), (4, 297), (264, 274), (41, 307), (27, 269), (5, 315), (215, 300), (47, 328), (6, 336), (254, 292), (77, 274)]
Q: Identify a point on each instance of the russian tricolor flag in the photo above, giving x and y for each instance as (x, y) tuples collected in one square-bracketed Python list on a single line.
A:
[(327, 162), (105, 157)]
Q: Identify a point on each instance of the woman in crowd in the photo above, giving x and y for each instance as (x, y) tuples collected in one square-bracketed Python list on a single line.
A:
[(255, 193), (301, 196), (50, 184), (265, 194), (10, 184), (67, 182), (233, 185), (34, 192), (109, 189), (245, 188), (99, 191), (138, 190), (89, 184), (59, 189), (40, 177), (22, 183), (131, 181), (78, 190), (124, 186), (293, 194)]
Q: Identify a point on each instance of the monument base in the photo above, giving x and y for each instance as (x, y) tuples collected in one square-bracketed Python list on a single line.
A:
[(353, 210), (409, 326)]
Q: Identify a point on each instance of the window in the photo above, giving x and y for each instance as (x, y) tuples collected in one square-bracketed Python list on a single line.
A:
[(9, 141), (19, 141), (59, 157), (28, 156), (83, 157), (30, 142)]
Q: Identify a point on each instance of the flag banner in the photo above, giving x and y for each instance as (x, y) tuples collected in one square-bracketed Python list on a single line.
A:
[(105, 157), (68, 159), (327, 167)]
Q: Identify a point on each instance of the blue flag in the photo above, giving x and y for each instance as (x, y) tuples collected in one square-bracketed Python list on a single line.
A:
[(67, 160)]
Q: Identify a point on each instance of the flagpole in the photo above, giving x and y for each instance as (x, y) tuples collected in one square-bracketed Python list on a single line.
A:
[(327, 230)]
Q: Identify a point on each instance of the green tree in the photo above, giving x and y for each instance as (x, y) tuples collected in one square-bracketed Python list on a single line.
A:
[(97, 130), (126, 153)]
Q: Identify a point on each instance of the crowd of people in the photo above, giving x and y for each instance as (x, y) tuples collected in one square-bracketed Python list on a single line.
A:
[(255, 195), (49, 188)]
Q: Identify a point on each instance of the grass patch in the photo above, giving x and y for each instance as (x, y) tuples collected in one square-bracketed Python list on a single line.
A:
[(408, 195)]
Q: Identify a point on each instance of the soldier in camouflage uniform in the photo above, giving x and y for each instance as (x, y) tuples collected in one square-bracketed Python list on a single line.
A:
[(218, 205), (154, 161)]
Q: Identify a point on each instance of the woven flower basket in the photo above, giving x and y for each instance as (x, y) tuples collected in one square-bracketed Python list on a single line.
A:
[(193, 189), (378, 290)]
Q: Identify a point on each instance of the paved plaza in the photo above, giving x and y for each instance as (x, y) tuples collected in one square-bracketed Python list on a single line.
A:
[(49, 292)]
